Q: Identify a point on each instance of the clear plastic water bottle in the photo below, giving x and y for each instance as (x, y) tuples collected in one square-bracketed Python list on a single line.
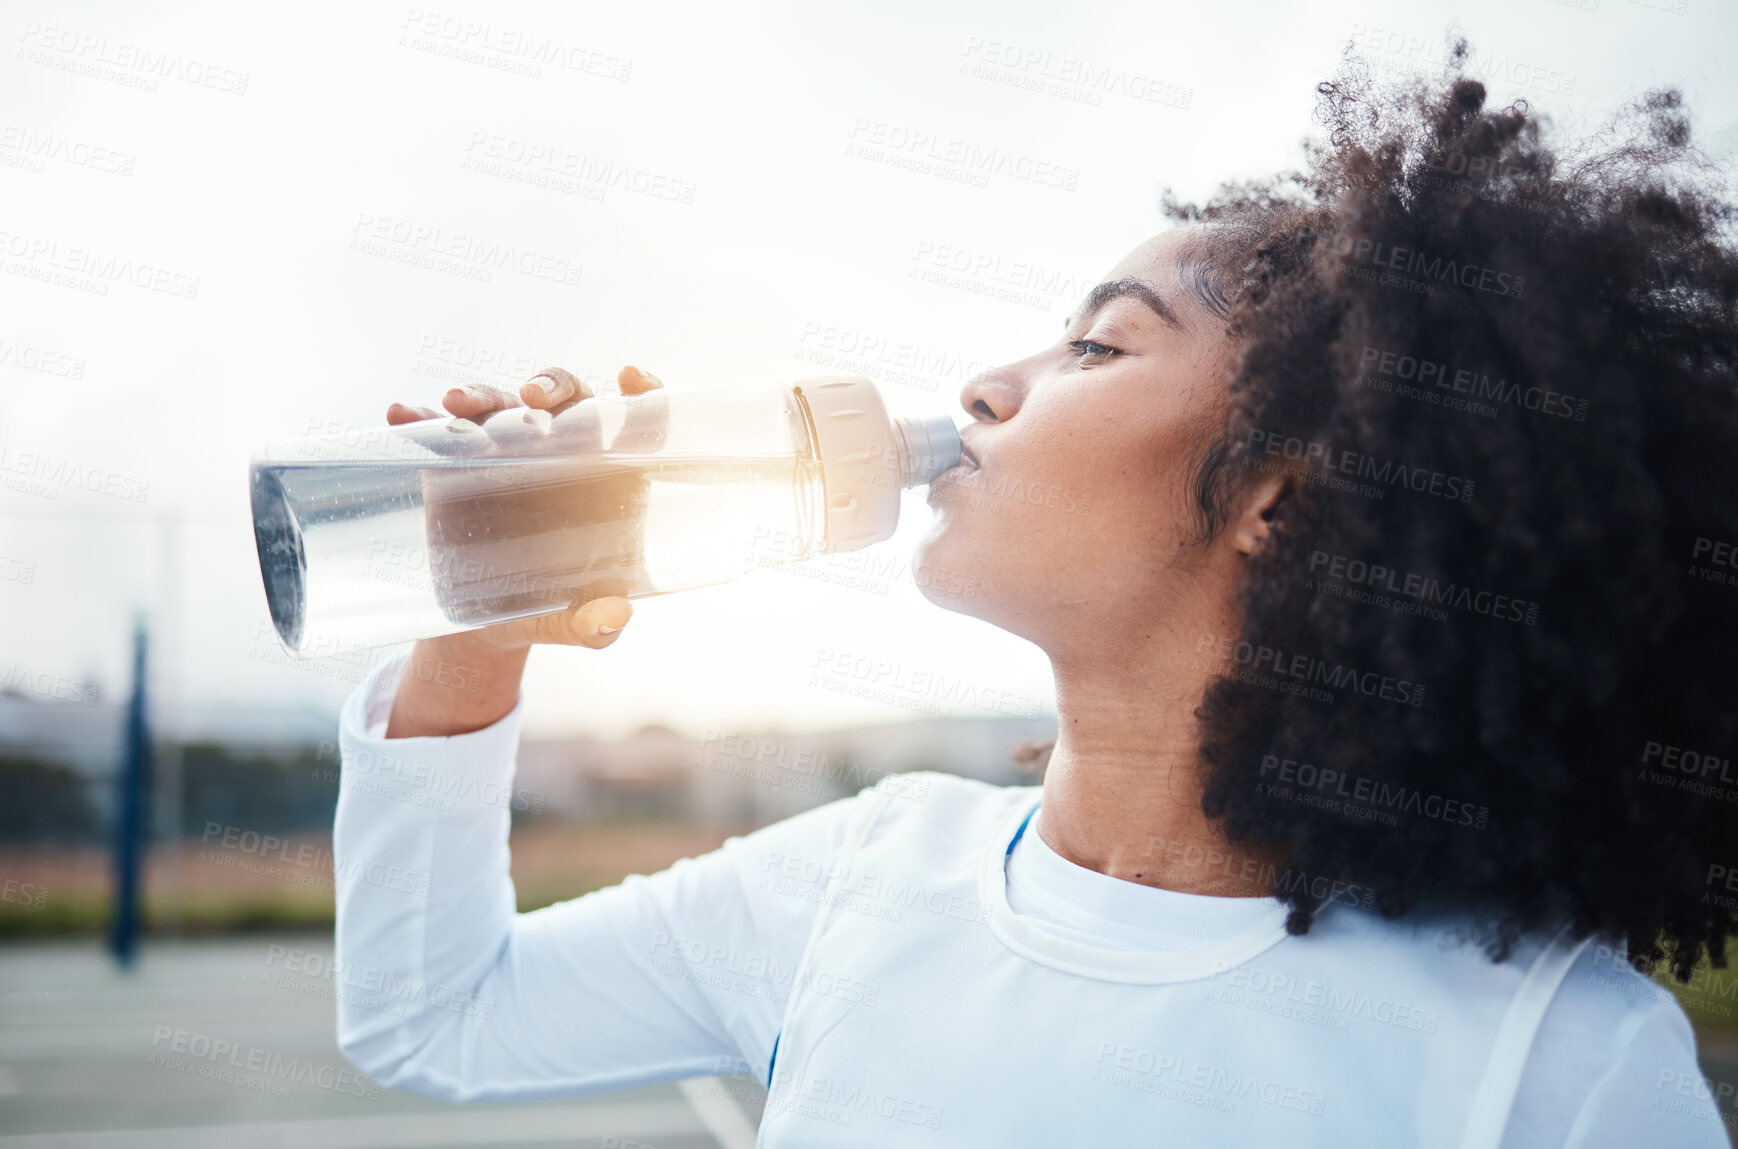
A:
[(369, 537)]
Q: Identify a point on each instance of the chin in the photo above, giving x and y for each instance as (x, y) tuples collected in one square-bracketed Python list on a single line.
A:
[(941, 572)]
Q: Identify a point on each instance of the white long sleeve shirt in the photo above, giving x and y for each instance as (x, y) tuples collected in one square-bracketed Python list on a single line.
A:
[(915, 966)]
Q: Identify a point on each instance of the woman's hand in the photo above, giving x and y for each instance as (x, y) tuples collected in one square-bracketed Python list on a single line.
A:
[(463, 682)]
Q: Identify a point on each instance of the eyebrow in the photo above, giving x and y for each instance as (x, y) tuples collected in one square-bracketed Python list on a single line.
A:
[(1116, 288)]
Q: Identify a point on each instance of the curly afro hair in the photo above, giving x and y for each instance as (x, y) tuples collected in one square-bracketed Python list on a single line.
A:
[(1485, 655)]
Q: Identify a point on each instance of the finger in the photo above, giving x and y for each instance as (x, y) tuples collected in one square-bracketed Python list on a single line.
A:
[(474, 399), (552, 387), (400, 413), (597, 624), (633, 381)]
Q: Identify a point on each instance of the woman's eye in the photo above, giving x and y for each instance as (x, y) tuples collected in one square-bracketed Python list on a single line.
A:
[(1085, 347)]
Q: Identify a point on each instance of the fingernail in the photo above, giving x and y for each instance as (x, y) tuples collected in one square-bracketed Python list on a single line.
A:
[(554, 390), (608, 629)]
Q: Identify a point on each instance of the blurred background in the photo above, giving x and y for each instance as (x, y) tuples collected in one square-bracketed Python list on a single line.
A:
[(222, 226)]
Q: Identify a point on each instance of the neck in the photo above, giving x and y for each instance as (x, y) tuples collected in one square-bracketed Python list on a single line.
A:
[(1122, 793)]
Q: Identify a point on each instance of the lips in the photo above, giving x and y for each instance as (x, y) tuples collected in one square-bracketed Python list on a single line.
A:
[(967, 464)]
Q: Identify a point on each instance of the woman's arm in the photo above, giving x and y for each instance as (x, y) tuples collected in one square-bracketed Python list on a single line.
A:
[(448, 992), (478, 688)]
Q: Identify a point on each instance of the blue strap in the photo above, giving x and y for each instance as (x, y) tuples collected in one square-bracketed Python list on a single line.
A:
[(1020, 831)]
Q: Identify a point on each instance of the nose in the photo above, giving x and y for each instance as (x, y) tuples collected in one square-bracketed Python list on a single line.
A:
[(994, 396)]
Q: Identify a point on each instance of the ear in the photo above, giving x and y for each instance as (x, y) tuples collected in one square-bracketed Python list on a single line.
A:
[(1254, 516)]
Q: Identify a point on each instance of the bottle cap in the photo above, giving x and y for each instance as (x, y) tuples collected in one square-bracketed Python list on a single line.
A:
[(867, 459), (929, 445)]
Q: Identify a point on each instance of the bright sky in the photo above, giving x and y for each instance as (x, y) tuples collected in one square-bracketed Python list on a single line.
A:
[(206, 222)]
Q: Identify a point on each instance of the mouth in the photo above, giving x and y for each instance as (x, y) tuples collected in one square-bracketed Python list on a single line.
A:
[(967, 464)]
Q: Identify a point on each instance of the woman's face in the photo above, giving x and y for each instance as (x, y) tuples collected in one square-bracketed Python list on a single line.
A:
[(1081, 512)]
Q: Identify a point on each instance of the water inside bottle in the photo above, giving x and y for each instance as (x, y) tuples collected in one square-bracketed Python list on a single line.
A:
[(492, 540), (570, 530)]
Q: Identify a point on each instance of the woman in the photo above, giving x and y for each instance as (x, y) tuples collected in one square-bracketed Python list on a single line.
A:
[(1385, 620)]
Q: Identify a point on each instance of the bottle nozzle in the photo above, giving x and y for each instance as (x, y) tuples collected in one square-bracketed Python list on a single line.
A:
[(928, 445)]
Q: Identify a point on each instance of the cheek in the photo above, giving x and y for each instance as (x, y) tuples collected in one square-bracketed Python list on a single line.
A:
[(1078, 504), (1089, 499), (1111, 468), (1133, 466)]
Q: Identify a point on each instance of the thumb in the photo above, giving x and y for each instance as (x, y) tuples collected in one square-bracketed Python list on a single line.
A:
[(597, 624)]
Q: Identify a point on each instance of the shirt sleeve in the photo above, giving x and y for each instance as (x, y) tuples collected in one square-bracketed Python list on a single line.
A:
[(449, 992), (1614, 1066), (1654, 1093)]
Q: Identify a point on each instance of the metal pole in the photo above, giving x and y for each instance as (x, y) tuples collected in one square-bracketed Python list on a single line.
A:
[(132, 814)]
